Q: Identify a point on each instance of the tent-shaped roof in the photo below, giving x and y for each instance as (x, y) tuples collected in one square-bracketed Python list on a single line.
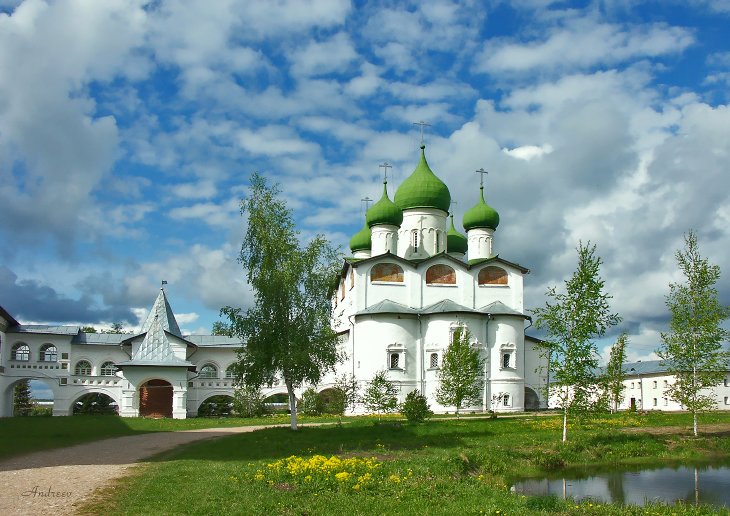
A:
[(162, 312)]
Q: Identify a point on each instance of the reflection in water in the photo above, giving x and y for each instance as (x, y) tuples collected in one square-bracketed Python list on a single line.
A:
[(702, 484)]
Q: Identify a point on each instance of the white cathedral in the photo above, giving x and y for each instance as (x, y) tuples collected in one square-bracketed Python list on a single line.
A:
[(412, 280)]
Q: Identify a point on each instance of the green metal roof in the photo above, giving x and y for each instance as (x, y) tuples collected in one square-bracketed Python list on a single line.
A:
[(481, 215), (362, 240), (455, 241), (422, 189), (384, 211)]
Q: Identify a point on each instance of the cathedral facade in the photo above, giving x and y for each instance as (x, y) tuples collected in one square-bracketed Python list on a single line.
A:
[(413, 280)]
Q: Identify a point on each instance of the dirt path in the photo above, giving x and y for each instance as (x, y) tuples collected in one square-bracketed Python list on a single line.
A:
[(55, 481)]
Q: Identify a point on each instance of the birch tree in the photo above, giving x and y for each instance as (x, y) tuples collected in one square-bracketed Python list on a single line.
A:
[(572, 320), (287, 331), (693, 349)]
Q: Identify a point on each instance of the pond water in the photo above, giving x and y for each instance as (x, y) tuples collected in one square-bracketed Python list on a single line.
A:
[(706, 484)]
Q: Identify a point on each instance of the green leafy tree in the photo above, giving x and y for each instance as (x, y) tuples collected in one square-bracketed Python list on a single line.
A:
[(287, 332), (416, 408), (572, 320), (461, 377), (88, 329), (381, 395), (614, 376), (116, 327), (248, 401), (220, 328), (693, 348), (22, 399)]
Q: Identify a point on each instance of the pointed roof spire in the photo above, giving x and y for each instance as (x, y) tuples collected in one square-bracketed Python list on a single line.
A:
[(162, 313)]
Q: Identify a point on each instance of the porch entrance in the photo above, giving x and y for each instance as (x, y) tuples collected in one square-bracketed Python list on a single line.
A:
[(155, 399)]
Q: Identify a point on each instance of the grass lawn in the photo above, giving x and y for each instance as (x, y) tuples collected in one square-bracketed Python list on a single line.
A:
[(27, 434), (440, 467)]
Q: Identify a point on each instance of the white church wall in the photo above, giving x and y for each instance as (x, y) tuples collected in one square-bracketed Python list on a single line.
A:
[(510, 294)]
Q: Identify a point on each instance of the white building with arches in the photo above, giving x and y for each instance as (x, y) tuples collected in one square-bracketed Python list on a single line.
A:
[(158, 372), (412, 281)]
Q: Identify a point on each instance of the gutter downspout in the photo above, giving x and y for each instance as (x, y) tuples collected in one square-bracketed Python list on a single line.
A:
[(421, 365), (487, 378)]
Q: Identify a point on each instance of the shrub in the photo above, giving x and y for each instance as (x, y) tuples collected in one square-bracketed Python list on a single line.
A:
[(216, 406), (416, 408), (311, 403), (248, 402), (333, 401), (381, 396), (95, 403)]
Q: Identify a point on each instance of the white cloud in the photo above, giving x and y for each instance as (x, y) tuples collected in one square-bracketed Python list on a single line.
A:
[(214, 214), (582, 43), (318, 58), (188, 318), (199, 190), (49, 127), (529, 152), (274, 141)]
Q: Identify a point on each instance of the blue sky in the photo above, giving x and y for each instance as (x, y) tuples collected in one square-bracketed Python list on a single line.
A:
[(128, 130)]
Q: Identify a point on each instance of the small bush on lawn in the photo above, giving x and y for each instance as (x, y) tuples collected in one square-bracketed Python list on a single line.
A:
[(311, 403), (416, 408), (248, 402)]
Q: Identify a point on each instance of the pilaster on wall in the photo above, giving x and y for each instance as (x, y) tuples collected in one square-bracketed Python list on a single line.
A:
[(130, 403), (179, 403)]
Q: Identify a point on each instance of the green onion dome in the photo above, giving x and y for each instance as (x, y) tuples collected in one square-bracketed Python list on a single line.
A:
[(361, 241), (481, 215), (422, 189), (455, 241), (384, 211)]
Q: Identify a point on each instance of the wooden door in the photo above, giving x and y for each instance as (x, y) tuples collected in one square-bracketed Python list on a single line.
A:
[(155, 399)]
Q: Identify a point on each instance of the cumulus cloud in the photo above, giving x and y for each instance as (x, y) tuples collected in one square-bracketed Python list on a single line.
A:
[(29, 300), (583, 42)]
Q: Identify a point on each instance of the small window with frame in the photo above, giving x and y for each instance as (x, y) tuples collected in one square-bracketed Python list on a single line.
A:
[(434, 361), (505, 400), (394, 361)]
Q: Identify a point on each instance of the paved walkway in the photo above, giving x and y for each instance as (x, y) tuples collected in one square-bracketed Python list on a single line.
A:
[(56, 481)]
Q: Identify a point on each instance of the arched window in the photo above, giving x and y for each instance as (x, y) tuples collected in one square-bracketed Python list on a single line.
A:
[(505, 400), (492, 276), (231, 371), (414, 240), (437, 242), (83, 368), (440, 275), (434, 360), (388, 272), (209, 371), (506, 358), (108, 369), (20, 352), (49, 353), (394, 360)]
